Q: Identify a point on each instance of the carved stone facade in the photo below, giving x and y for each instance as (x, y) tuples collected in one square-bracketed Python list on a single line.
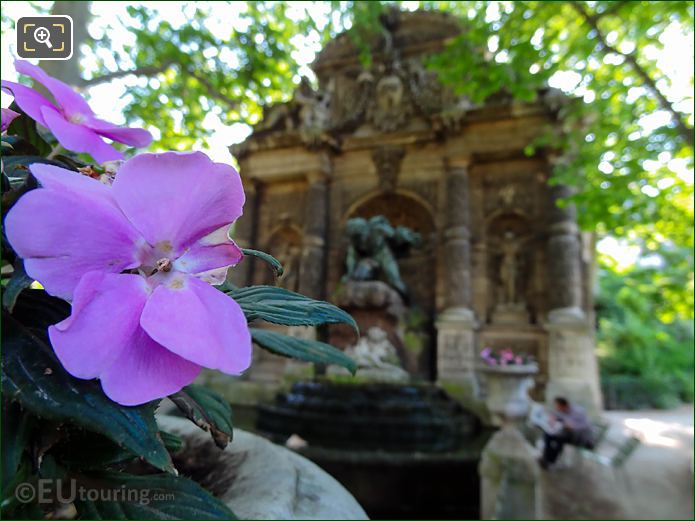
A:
[(500, 265), (387, 162)]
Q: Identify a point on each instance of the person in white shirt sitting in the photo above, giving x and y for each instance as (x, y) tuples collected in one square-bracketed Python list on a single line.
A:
[(567, 424)]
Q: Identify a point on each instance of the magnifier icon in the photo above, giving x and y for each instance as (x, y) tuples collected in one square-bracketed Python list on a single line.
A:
[(43, 35)]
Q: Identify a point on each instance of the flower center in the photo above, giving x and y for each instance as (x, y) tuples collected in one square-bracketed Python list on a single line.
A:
[(76, 118), (164, 264)]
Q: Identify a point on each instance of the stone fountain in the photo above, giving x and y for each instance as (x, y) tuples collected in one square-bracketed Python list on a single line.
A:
[(382, 427)]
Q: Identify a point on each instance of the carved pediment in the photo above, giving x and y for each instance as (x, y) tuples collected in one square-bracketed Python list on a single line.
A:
[(388, 95)]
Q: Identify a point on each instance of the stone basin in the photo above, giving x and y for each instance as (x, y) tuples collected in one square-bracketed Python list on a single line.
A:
[(404, 451), (369, 416)]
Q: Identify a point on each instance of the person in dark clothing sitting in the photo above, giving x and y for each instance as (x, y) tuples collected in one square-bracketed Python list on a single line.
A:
[(569, 424)]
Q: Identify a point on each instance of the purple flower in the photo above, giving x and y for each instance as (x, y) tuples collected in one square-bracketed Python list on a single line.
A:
[(70, 119), (136, 258), (8, 116), (485, 353)]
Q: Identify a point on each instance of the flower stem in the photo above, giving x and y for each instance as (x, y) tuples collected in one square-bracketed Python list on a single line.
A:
[(55, 151)]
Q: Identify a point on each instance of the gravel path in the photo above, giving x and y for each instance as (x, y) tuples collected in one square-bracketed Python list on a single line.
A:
[(655, 483)]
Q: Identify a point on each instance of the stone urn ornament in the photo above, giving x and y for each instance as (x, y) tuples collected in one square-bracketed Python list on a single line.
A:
[(508, 469), (508, 378)]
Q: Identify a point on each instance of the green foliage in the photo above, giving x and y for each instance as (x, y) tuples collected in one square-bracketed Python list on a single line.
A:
[(163, 497), (280, 306), (31, 142), (629, 392), (301, 349), (272, 261), (645, 344), (43, 387), (515, 47), (191, 70), (208, 410), (17, 283)]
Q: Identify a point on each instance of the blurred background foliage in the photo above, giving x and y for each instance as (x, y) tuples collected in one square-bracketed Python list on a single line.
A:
[(627, 139), (645, 340)]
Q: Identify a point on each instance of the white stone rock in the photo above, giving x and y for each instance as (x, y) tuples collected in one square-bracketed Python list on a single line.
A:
[(271, 482)]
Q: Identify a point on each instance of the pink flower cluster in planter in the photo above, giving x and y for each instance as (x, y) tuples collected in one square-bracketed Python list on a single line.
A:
[(504, 357)]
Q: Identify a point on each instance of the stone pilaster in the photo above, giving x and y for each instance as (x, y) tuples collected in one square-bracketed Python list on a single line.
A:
[(572, 366), (456, 355), (313, 266), (245, 230)]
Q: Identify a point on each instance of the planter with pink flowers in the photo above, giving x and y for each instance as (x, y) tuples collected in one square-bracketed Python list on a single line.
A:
[(508, 377)]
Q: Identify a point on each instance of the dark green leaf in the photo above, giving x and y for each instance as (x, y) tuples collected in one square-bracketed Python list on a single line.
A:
[(16, 168), (70, 162), (172, 442), (16, 428), (19, 186), (160, 496), (208, 410), (37, 310), (307, 350), (280, 306), (18, 282), (33, 376), (18, 147), (12, 508), (81, 449), (25, 127), (6, 186), (274, 263)]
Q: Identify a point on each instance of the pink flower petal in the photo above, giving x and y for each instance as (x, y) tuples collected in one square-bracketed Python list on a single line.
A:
[(62, 235), (78, 138), (60, 179), (69, 100), (135, 137), (199, 323), (105, 314), (194, 196), (8, 116), (30, 101), (213, 251), (145, 371)]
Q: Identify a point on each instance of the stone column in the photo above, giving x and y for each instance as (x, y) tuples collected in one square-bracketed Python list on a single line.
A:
[(245, 231), (564, 255), (457, 237), (572, 366), (313, 266), (455, 325), (312, 269)]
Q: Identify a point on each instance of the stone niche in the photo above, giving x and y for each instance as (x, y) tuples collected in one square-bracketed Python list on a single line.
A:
[(501, 265)]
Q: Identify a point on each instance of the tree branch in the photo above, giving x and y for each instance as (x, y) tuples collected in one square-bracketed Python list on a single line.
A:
[(153, 71), (592, 20), (212, 90), (142, 71)]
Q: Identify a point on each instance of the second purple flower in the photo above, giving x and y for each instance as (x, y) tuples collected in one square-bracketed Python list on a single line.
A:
[(70, 119)]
